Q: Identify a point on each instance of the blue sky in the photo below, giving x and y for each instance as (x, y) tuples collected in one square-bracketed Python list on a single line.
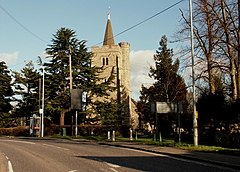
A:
[(88, 18)]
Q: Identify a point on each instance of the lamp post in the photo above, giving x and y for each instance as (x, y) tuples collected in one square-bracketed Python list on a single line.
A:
[(70, 68), (42, 110), (195, 125)]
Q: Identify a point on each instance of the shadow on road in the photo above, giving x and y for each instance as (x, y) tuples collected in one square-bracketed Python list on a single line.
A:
[(152, 163)]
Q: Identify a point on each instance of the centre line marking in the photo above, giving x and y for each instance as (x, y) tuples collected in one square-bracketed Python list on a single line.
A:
[(19, 141), (55, 147)]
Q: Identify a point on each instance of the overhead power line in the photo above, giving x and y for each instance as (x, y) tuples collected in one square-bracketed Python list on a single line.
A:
[(147, 19), (20, 24), (120, 33)]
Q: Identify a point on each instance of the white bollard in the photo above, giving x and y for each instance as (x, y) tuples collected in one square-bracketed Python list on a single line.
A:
[(113, 136), (131, 134), (109, 135)]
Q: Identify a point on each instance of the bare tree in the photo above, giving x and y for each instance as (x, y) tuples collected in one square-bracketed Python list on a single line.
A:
[(216, 30)]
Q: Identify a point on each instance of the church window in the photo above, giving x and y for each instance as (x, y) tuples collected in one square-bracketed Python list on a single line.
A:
[(106, 61), (103, 61)]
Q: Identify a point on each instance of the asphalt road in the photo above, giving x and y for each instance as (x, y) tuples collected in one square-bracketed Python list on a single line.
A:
[(35, 155)]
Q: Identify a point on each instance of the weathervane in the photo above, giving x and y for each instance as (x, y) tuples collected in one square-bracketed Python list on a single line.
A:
[(109, 11)]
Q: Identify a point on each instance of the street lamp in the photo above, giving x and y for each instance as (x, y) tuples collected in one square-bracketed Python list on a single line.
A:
[(42, 110), (195, 125)]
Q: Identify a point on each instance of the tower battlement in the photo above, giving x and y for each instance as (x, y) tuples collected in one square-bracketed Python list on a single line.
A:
[(124, 44)]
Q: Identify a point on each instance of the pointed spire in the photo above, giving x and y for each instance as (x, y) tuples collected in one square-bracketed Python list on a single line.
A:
[(108, 38)]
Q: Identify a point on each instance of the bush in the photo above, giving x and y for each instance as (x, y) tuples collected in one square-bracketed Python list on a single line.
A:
[(16, 131)]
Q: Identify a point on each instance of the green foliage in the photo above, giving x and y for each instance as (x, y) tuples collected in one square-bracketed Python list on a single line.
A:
[(65, 45), (109, 112), (57, 70), (168, 87), (144, 105), (212, 109), (218, 119), (6, 93), (26, 86)]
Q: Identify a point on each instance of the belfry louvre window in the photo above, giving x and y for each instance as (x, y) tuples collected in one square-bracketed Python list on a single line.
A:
[(106, 61), (103, 61)]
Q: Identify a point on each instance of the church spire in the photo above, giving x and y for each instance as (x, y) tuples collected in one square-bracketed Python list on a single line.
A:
[(108, 38)]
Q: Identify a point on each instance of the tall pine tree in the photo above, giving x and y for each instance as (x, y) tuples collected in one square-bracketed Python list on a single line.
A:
[(26, 84), (65, 44), (6, 93), (169, 86)]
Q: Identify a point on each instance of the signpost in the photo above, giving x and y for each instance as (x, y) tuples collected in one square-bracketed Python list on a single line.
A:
[(76, 104), (165, 108)]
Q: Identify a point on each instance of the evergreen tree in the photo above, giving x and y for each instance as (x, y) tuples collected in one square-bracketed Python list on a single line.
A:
[(169, 86), (26, 86), (6, 93), (144, 105), (65, 44)]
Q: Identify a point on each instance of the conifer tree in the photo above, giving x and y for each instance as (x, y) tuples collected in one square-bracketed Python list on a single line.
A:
[(169, 86), (6, 93), (64, 45), (26, 84)]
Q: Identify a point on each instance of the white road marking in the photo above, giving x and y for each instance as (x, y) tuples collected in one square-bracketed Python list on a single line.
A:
[(112, 165), (55, 147), (72, 170), (113, 169), (19, 141), (10, 169)]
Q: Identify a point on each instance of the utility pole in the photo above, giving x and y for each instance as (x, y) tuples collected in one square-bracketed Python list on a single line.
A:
[(195, 124), (71, 80)]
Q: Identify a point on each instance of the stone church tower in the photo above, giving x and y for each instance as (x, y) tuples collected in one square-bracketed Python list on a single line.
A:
[(116, 56)]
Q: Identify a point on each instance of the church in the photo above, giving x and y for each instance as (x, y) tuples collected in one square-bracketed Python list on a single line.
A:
[(116, 56)]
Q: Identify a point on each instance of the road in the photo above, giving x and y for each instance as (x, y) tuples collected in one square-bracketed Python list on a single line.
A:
[(43, 155)]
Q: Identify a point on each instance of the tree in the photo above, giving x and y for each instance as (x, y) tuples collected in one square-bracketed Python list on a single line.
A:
[(26, 86), (6, 93), (144, 105), (216, 30), (169, 86), (65, 45)]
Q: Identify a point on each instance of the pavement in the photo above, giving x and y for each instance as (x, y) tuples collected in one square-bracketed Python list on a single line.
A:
[(230, 161)]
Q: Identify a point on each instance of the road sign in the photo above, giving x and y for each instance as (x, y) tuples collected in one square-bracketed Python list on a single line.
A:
[(76, 99), (166, 107)]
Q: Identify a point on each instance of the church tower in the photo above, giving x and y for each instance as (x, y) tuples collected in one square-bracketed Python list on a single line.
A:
[(115, 56)]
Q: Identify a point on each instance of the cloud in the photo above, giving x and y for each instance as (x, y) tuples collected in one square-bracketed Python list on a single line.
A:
[(140, 62), (9, 58)]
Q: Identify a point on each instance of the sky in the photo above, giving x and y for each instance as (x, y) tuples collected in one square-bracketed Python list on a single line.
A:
[(27, 27)]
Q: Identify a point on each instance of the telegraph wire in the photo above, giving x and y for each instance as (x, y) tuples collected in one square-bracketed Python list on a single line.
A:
[(120, 33), (20, 24), (147, 19)]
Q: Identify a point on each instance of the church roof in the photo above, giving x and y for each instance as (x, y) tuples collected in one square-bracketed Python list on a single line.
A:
[(108, 38)]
